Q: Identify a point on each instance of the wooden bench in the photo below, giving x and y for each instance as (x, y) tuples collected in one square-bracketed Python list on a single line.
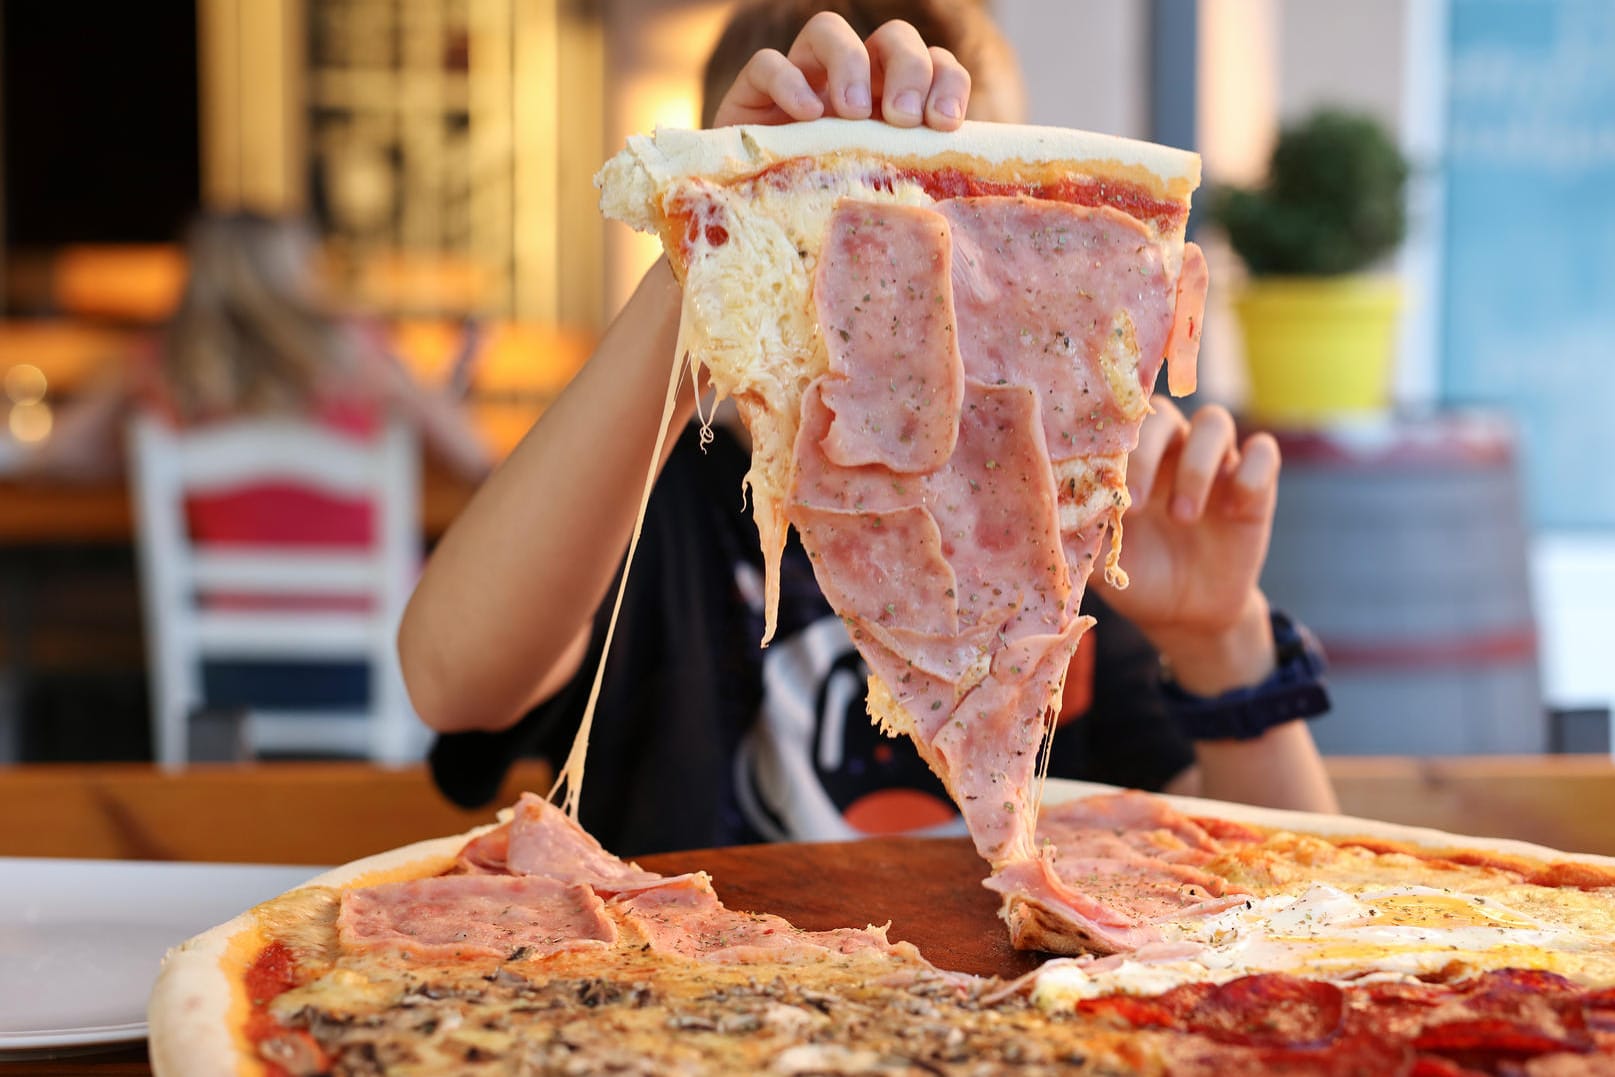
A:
[(281, 813), (1561, 801), (330, 813)]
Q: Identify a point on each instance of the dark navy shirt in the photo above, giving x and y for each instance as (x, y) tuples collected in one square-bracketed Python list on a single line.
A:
[(702, 738)]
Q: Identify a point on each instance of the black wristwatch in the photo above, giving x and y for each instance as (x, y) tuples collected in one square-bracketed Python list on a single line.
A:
[(1295, 689)]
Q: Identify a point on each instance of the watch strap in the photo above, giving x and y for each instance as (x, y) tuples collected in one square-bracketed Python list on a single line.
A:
[(1295, 689)]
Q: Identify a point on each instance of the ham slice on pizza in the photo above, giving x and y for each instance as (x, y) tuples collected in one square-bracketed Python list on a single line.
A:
[(943, 346)]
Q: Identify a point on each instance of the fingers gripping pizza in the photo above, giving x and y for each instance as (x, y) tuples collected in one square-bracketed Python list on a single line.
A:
[(943, 346)]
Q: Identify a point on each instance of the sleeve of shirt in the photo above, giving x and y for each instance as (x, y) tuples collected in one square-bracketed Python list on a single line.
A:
[(671, 711), (470, 768), (1127, 737)]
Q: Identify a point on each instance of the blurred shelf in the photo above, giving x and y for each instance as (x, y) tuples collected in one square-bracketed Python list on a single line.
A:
[(68, 353), (135, 283)]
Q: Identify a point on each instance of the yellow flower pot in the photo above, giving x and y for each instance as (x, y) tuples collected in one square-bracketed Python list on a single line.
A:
[(1318, 348)]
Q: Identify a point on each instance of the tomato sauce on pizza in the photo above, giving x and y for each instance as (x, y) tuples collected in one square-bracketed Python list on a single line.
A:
[(612, 968)]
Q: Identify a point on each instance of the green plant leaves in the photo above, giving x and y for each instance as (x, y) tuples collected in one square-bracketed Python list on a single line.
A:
[(1333, 202)]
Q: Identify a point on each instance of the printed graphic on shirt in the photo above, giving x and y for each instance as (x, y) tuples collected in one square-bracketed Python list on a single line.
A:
[(814, 768)]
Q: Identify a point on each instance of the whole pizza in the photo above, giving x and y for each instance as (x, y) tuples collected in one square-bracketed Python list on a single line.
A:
[(943, 346), (1246, 941)]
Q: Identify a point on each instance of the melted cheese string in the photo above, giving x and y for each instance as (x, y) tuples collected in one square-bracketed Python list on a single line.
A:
[(571, 775), (747, 369)]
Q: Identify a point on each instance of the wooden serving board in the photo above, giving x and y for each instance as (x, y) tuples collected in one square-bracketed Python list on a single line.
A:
[(929, 888)]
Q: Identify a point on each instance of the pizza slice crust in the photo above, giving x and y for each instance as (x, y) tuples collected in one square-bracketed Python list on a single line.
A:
[(1337, 827), (632, 181), (198, 1009)]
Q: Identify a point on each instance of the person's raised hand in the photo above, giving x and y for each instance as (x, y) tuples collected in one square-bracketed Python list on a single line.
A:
[(894, 76), (1194, 541)]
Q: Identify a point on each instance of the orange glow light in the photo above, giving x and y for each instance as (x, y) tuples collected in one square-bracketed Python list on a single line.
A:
[(25, 384), (30, 423)]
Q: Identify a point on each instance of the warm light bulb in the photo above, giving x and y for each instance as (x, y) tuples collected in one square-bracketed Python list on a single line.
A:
[(30, 423), (25, 384)]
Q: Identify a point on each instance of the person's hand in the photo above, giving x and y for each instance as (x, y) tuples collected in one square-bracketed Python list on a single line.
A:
[(1193, 544), (894, 76)]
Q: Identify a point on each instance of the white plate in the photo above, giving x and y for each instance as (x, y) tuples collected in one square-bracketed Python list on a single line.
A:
[(81, 940)]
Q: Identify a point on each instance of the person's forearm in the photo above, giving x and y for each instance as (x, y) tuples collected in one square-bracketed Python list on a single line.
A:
[(1279, 769), (1209, 663), (509, 591)]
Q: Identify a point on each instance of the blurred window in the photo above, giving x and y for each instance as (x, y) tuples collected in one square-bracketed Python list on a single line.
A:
[(449, 146), (1530, 286)]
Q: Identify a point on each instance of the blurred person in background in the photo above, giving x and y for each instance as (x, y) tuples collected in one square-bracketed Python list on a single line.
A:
[(255, 335)]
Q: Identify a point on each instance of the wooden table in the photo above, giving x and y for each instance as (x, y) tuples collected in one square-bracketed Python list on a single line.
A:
[(117, 1062), (928, 888), (269, 813), (284, 812), (1561, 801), (290, 813)]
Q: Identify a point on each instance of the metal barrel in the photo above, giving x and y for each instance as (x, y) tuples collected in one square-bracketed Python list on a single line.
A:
[(1402, 543)]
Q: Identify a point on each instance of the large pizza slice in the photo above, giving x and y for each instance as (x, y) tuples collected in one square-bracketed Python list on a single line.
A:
[(943, 346), (525, 948)]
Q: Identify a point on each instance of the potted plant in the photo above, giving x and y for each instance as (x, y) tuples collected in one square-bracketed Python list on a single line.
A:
[(1318, 328)]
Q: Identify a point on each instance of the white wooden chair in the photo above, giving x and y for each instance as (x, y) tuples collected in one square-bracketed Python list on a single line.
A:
[(177, 573)]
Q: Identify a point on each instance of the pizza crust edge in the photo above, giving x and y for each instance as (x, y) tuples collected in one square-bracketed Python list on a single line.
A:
[(1058, 790), (632, 181), (197, 1011)]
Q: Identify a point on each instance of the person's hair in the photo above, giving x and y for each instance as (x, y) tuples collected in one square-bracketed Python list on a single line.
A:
[(960, 26), (250, 333)]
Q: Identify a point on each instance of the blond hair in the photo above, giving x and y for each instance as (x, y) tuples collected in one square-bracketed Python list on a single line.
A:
[(251, 333)]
